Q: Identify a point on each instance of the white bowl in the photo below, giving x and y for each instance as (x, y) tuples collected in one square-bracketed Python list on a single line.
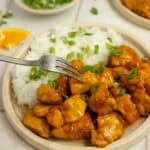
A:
[(45, 11), (14, 112), (131, 16)]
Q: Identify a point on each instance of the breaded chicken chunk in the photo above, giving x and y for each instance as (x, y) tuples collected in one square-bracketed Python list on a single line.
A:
[(55, 117), (142, 101), (73, 108), (89, 79), (128, 58), (37, 125), (101, 102), (127, 108), (80, 129), (48, 95), (110, 128), (40, 110)]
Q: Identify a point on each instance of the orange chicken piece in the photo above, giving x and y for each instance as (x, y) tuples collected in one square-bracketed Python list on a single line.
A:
[(48, 95), (37, 125), (80, 129)]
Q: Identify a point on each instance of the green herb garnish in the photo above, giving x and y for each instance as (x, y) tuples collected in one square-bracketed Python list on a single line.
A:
[(53, 40), (96, 49), (52, 50), (7, 15), (70, 55), (95, 69), (37, 73), (71, 43), (114, 51), (94, 11), (122, 92), (2, 22), (115, 85), (132, 74), (51, 83), (85, 49), (80, 56), (94, 89), (88, 34), (120, 73), (72, 34), (109, 39)]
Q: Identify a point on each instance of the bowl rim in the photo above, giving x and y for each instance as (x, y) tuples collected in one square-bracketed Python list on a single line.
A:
[(53, 11), (44, 144), (131, 16)]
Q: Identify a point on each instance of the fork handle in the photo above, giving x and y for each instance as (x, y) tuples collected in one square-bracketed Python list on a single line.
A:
[(19, 61)]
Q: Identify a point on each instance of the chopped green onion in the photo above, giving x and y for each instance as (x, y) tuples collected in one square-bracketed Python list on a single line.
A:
[(114, 51), (94, 11), (85, 49), (122, 92), (96, 49), (7, 15), (94, 89), (72, 34), (115, 85), (84, 97), (37, 73), (80, 56), (64, 39), (53, 40), (132, 74), (88, 34), (120, 73), (71, 43), (95, 69), (2, 22), (109, 39), (52, 50), (51, 83), (70, 55)]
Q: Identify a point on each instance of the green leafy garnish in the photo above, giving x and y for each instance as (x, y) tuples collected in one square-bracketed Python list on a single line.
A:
[(88, 34), (95, 69), (85, 49), (84, 97), (51, 83), (45, 4), (2, 22), (72, 34), (52, 50), (109, 39), (71, 43), (115, 85), (64, 39), (96, 49), (80, 56), (7, 15), (114, 51), (37, 73), (120, 73), (132, 74), (53, 40), (70, 55), (94, 89), (94, 11), (122, 92)]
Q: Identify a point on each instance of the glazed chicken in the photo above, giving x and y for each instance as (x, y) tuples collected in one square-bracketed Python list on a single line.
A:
[(140, 7), (109, 128), (99, 108)]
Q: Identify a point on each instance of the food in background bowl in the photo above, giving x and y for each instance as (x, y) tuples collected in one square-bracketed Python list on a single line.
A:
[(113, 95), (46, 4), (140, 7)]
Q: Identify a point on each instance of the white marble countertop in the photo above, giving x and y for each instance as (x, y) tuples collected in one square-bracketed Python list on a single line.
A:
[(80, 13)]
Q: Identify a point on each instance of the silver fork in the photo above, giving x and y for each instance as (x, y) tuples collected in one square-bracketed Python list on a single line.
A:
[(48, 62)]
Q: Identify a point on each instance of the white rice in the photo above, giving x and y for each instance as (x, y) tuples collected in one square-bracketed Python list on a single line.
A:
[(25, 88)]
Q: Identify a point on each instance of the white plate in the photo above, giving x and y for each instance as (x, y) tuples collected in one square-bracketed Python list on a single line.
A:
[(131, 15), (14, 112), (45, 11)]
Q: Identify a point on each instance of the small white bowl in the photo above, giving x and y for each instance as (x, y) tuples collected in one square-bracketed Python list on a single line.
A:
[(45, 11), (131, 16), (14, 111)]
